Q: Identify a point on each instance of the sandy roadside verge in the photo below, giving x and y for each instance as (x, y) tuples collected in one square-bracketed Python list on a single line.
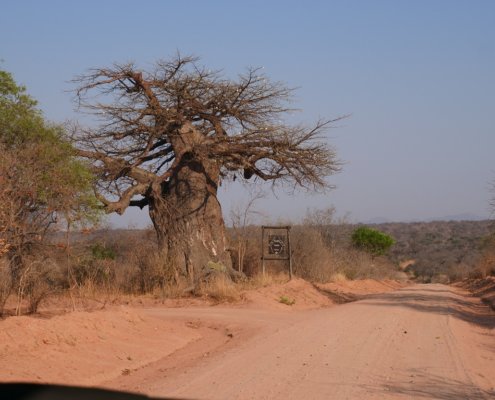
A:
[(84, 348)]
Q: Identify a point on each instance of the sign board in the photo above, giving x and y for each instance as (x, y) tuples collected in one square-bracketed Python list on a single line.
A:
[(275, 242), (277, 245)]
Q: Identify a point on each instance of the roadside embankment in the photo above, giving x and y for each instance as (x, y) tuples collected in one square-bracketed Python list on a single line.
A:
[(483, 288)]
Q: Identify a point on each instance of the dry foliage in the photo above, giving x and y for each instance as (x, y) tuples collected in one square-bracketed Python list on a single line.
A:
[(4, 246), (219, 288), (453, 248), (241, 237), (41, 278), (246, 253), (311, 257), (236, 123), (5, 283), (319, 254), (260, 280), (486, 263)]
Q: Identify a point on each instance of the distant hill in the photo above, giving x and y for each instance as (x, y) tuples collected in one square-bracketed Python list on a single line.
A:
[(458, 217), (454, 217), (439, 247)]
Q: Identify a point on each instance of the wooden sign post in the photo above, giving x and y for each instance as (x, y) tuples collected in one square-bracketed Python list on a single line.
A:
[(275, 245)]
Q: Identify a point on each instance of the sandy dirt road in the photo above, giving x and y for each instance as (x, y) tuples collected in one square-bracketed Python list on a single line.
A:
[(424, 341)]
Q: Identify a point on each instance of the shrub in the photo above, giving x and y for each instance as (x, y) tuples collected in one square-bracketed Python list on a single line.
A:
[(42, 185), (5, 283), (245, 251), (371, 240), (312, 260), (97, 272), (152, 272), (41, 278), (287, 300), (486, 263), (102, 252)]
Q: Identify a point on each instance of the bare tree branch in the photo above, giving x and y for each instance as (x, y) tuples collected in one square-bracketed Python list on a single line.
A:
[(156, 123)]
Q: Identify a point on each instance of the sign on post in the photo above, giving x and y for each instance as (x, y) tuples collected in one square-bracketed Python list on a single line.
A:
[(275, 245)]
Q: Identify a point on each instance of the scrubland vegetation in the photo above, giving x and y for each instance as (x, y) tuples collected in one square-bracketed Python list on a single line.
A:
[(47, 207), (443, 251), (108, 265)]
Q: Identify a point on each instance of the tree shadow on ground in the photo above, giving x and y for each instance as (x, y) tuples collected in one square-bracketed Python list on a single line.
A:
[(443, 302), (336, 296), (425, 290), (423, 385)]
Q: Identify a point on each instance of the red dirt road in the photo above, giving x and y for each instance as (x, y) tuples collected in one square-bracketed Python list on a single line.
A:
[(425, 341)]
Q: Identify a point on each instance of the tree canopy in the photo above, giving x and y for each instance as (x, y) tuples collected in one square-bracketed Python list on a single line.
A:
[(147, 115)]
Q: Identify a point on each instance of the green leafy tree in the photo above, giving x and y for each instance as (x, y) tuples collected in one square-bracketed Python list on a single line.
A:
[(41, 181), (372, 240)]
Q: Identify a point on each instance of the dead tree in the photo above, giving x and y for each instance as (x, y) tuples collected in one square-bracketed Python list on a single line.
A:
[(169, 137)]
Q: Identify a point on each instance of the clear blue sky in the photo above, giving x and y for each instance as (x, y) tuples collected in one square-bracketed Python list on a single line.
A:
[(417, 77)]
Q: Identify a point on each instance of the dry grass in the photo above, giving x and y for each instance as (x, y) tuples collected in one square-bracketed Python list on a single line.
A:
[(311, 257), (5, 283), (41, 278), (219, 288), (259, 280), (338, 277)]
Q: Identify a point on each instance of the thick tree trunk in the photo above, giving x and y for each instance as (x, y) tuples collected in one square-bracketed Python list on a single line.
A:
[(188, 221)]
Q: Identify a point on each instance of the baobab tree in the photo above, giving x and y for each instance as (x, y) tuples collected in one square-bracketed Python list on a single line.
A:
[(170, 136)]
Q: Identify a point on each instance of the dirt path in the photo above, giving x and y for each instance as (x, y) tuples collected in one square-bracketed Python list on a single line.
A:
[(424, 341)]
